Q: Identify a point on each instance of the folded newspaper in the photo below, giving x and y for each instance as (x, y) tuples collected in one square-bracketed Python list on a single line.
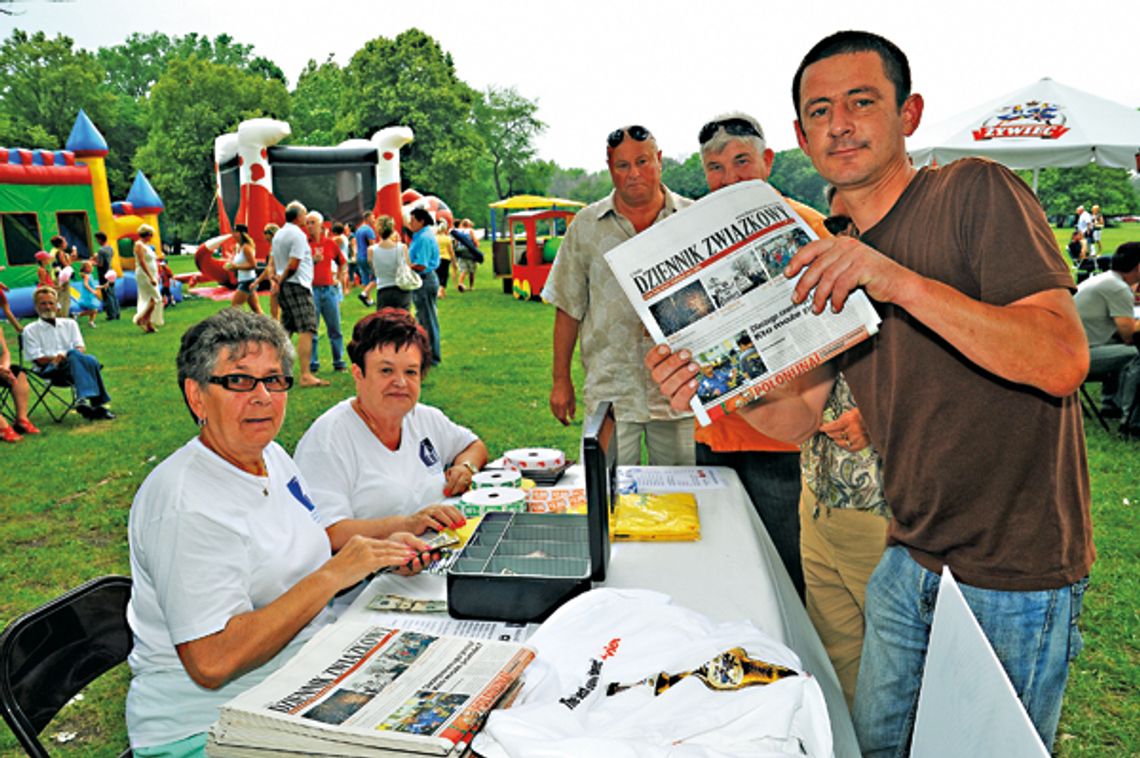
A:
[(710, 280), (360, 689)]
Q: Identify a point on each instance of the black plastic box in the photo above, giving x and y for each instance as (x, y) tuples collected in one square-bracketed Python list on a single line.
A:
[(521, 566)]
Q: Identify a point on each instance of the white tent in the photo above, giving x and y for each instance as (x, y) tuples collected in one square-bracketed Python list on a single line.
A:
[(1044, 124)]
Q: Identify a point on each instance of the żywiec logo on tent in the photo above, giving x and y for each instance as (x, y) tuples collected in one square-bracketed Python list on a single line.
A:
[(1038, 119)]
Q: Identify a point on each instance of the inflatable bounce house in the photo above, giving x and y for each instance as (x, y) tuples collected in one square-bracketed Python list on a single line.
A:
[(44, 193), (256, 178)]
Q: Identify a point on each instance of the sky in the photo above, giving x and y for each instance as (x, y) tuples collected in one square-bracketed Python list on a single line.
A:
[(594, 65)]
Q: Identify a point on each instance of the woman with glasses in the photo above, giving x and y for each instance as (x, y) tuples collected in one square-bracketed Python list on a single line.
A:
[(232, 567), (149, 308)]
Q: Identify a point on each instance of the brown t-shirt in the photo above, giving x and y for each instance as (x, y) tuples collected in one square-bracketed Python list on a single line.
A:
[(984, 475)]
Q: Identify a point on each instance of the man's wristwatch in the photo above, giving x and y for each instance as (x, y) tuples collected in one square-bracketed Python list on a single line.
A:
[(469, 466)]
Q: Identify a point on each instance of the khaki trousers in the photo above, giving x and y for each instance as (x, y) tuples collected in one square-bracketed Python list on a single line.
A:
[(840, 551)]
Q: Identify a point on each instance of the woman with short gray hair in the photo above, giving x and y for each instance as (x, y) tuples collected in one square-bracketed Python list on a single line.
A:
[(232, 567)]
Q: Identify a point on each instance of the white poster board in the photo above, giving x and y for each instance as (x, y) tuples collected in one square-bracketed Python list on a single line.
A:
[(967, 705)]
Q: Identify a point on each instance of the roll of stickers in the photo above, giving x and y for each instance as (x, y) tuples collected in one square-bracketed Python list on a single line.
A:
[(497, 478), (481, 501), (535, 459)]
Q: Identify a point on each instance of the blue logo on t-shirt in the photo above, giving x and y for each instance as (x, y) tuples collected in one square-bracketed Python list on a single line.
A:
[(294, 487), (427, 453)]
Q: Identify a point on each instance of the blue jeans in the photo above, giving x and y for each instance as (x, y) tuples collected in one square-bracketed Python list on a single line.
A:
[(364, 271), (1034, 635), (424, 300), (327, 300), (772, 481), (83, 371)]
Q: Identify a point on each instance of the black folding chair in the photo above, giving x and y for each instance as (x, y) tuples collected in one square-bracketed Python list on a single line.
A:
[(49, 655)]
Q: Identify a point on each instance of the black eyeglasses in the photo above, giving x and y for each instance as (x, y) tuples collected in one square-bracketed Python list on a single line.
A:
[(737, 127), (635, 132), (247, 383), (841, 226)]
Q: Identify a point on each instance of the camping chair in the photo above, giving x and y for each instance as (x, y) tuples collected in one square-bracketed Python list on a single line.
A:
[(53, 652), (1091, 409), (56, 395)]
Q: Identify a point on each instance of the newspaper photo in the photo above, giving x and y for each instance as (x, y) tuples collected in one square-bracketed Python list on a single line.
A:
[(710, 280), (358, 687)]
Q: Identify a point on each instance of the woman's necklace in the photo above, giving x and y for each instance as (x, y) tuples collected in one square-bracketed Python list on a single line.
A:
[(374, 426), (259, 470)]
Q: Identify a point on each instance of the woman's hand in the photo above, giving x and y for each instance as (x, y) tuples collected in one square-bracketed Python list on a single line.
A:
[(421, 557), (848, 431), (362, 556), (437, 517), (458, 481)]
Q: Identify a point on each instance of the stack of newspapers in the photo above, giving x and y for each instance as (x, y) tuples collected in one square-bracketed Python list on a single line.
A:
[(358, 689)]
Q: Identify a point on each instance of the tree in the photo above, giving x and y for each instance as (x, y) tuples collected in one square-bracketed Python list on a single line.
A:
[(44, 84), (687, 179), (193, 102), (507, 123), (411, 81), (579, 184), (136, 64), (317, 104), (794, 175), (1061, 190)]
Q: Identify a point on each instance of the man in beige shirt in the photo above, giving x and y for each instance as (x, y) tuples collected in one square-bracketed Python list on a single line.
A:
[(592, 307)]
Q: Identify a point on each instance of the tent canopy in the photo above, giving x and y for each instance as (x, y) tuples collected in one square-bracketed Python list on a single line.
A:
[(1044, 124), (523, 202)]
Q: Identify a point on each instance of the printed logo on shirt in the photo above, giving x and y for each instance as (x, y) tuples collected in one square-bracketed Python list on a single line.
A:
[(294, 487), (427, 453)]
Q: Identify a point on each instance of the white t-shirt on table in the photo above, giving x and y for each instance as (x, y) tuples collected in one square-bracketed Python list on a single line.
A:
[(351, 474), (208, 542)]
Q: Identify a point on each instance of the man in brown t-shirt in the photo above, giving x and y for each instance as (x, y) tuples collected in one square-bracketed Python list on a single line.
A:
[(967, 391)]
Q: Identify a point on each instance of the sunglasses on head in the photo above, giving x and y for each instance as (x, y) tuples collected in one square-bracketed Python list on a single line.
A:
[(636, 133), (737, 127)]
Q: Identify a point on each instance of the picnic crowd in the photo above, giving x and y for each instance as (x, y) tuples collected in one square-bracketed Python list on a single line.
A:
[(870, 474)]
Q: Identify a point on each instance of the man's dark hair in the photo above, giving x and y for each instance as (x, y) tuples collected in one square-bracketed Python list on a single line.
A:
[(100, 237), (1127, 257), (422, 215), (894, 60), (388, 326)]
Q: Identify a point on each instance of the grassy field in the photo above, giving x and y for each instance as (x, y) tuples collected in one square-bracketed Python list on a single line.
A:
[(66, 495)]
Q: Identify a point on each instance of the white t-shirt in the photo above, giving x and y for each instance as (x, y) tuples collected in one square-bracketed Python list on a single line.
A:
[(42, 340), (624, 636), (351, 474), (208, 542), (291, 242)]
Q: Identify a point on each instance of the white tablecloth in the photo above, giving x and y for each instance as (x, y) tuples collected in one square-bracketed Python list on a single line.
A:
[(732, 572)]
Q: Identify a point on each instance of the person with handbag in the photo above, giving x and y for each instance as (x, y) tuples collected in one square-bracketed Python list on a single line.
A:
[(395, 279)]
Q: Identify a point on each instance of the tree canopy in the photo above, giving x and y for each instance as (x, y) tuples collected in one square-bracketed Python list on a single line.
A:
[(160, 101)]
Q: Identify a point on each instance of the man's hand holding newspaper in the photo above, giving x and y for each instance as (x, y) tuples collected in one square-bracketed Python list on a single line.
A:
[(723, 284)]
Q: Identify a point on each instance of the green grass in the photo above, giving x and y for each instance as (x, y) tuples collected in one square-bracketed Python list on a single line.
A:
[(66, 494)]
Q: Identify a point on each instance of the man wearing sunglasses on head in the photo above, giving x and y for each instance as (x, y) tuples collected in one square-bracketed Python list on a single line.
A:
[(733, 150), (592, 307)]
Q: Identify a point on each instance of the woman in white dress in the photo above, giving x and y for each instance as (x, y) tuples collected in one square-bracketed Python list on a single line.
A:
[(150, 309)]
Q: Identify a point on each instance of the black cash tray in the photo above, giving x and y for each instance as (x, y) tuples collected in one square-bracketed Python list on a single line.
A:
[(520, 567)]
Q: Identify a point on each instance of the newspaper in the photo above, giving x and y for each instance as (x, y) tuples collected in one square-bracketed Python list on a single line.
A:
[(710, 280), (358, 688)]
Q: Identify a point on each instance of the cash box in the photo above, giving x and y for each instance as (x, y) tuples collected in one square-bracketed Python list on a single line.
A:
[(521, 566)]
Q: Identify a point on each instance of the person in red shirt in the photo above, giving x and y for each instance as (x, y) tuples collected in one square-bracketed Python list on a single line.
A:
[(329, 270)]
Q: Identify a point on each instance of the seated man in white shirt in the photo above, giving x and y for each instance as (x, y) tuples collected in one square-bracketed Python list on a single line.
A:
[(1106, 304), (57, 352)]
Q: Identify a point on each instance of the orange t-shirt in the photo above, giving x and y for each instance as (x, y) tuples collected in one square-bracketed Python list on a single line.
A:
[(731, 433)]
